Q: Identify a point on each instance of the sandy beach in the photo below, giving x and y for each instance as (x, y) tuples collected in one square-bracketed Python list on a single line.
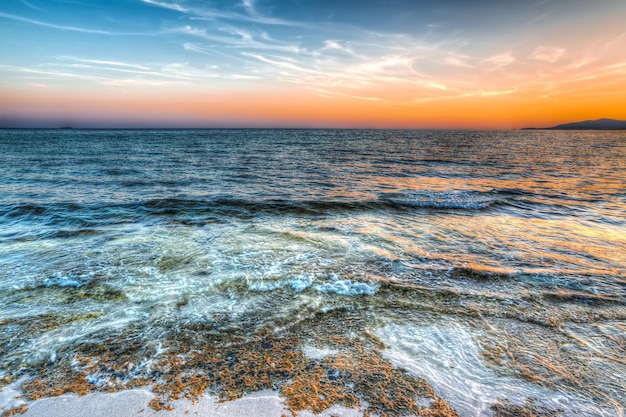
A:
[(135, 402)]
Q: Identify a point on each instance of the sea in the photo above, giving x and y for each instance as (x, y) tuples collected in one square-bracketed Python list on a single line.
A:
[(391, 271)]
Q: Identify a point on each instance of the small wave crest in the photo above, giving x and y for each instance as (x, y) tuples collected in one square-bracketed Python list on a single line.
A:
[(337, 285), (298, 284), (455, 199), (346, 287), (66, 282)]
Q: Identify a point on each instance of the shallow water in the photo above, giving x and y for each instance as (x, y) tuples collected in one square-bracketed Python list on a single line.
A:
[(501, 243)]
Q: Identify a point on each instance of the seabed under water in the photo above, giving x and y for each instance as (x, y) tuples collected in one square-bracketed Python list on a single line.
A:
[(182, 358)]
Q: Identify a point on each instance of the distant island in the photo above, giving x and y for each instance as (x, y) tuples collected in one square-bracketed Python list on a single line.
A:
[(599, 124)]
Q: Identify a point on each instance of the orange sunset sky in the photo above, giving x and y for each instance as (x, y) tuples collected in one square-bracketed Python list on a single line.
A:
[(257, 63)]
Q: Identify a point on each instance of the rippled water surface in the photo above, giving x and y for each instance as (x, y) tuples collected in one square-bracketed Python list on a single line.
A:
[(491, 264)]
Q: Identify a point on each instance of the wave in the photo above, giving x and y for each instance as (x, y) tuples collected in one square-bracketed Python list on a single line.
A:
[(453, 199), (89, 216), (456, 200), (337, 285)]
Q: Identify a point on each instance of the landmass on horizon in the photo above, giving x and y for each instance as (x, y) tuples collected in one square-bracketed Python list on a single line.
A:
[(598, 124)]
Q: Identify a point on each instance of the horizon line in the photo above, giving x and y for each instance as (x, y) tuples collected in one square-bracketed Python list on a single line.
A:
[(262, 128)]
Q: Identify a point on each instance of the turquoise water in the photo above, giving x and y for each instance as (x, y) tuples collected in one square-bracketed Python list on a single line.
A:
[(513, 242)]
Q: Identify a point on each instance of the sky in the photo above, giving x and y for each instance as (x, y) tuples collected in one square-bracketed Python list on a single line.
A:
[(487, 64)]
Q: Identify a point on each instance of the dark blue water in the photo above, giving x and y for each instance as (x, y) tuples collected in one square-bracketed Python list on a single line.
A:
[(526, 228)]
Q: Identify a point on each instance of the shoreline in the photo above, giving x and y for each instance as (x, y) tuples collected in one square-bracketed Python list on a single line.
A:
[(133, 402)]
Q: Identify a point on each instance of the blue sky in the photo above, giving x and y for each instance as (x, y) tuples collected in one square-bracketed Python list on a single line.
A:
[(398, 52)]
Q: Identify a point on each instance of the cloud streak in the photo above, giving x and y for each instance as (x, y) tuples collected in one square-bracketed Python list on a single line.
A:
[(170, 6), (547, 54), (54, 26), (32, 6), (69, 28), (103, 62), (107, 73)]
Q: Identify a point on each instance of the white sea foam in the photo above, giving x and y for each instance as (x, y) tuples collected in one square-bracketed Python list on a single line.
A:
[(337, 285), (298, 283), (317, 353), (347, 287), (62, 282)]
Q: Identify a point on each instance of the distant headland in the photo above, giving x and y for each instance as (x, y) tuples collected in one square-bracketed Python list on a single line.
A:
[(599, 124)]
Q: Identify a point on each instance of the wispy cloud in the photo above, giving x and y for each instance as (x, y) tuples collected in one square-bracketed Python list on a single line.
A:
[(250, 7), (335, 46), (32, 6), (53, 26), (232, 36), (103, 62), (138, 82), (194, 47), (331, 94), (458, 60), (114, 73), (49, 74), (353, 58), (167, 5), (246, 12), (547, 54), (466, 95), (285, 64), (499, 61), (68, 28), (343, 56)]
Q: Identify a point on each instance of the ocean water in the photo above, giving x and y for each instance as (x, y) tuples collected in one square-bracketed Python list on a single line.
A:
[(492, 264)]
